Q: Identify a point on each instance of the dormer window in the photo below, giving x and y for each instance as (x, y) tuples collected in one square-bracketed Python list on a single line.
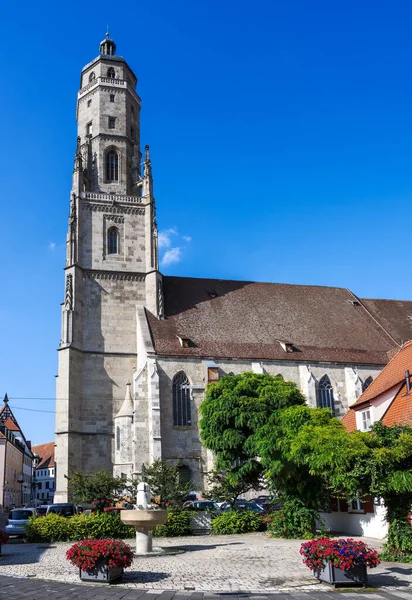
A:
[(186, 342), (288, 346), (366, 419)]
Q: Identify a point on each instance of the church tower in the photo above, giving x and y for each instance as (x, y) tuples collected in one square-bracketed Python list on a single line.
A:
[(111, 266)]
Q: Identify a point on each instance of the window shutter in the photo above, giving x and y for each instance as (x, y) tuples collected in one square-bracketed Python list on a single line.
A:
[(343, 505), (368, 504)]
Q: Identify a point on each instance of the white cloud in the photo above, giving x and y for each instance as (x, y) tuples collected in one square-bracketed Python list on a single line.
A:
[(174, 255), (52, 246), (164, 239), (187, 238)]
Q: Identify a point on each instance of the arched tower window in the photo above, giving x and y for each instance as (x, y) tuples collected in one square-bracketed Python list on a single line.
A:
[(181, 401), (112, 166), (112, 241), (325, 394), (111, 73), (366, 383), (117, 438), (92, 77), (184, 475)]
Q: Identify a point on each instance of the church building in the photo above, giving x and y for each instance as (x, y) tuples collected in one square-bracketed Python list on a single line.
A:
[(138, 349)]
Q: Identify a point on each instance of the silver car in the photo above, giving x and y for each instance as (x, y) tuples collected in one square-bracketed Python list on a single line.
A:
[(18, 517)]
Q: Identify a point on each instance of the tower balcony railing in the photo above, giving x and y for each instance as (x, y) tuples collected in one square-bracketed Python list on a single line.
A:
[(111, 198), (123, 83)]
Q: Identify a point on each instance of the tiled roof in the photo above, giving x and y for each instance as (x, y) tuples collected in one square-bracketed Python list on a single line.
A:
[(392, 374), (46, 454), (11, 425), (394, 315), (349, 420), (241, 319), (400, 409)]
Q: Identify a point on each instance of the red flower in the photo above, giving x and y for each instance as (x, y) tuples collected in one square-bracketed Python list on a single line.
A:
[(343, 554), (86, 553)]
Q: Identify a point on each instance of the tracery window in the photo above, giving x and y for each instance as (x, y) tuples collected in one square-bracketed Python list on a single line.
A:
[(366, 383), (181, 401), (112, 166), (184, 475), (111, 73), (325, 394), (112, 241)]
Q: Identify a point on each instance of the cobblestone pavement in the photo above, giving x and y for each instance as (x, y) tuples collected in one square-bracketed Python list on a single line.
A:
[(249, 566)]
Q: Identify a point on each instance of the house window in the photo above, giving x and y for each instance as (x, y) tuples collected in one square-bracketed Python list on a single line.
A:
[(89, 103), (92, 77), (112, 166), (325, 394), (111, 73), (366, 420), (356, 505), (184, 475), (47, 485), (112, 241), (42, 496), (117, 439), (111, 97), (89, 128), (112, 122), (181, 401), (366, 383)]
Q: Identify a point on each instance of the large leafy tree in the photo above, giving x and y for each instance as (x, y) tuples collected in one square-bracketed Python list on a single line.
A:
[(234, 410)]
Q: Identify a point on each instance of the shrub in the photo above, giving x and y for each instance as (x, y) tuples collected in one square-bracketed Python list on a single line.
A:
[(85, 554), (178, 523), (95, 526), (398, 547), (237, 521), (293, 520), (343, 554), (4, 537)]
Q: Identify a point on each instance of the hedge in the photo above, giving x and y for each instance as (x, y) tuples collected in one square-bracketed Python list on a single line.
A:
[(237, 521), (178, 523)]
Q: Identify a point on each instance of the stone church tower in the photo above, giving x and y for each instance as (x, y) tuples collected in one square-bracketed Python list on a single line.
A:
[(111, 267)]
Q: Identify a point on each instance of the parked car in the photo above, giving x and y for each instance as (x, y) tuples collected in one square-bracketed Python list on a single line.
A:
[(42, 510), (243, 506), (62, 509), (201, 505), (18, 517)]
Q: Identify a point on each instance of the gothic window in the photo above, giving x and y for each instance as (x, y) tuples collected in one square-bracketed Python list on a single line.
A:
[(111, 97), (325, 394), (181, 401), (112, 241), (92, 77), (112, 166), (112, 122), (184, 475), (117, 438), (366, 383), (110, 73)]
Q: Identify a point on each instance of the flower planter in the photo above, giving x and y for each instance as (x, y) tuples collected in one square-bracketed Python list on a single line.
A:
[(356, 575), (101, 572)]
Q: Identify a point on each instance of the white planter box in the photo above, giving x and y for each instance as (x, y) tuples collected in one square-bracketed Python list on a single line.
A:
[(201, 523)]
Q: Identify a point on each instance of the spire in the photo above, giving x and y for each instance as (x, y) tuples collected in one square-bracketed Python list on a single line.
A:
[(107, 46), (6, 399), (127, 408)]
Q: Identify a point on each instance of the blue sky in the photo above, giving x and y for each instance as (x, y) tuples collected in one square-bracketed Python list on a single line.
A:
[(280, 135)]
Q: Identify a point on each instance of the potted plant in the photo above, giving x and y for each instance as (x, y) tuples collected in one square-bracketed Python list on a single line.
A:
[(339, 561), (4, 538), (100, 560)]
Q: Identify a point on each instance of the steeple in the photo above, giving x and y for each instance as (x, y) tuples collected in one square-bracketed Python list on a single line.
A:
[(107, 46)]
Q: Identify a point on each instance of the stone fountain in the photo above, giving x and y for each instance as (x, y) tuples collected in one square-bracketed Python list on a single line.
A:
[(143, 519)]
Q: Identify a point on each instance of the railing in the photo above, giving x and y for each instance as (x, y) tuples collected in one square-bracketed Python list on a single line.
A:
[(109, 81), (111, 198)]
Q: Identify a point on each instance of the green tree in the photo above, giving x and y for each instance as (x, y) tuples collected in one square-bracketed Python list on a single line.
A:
[(96, 485), (227, 486), (234, 410)]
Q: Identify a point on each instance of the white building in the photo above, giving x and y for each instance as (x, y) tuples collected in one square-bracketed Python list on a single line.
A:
[(44, 472)]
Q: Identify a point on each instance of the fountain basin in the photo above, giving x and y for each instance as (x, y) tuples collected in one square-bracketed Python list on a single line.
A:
[(144, 519)]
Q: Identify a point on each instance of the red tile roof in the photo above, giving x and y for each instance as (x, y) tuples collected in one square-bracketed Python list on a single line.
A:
[(46, 454), (400, 409), (393, 374), (11, 425), (349, 420)]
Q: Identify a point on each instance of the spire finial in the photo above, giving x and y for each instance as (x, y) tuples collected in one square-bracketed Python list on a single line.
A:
[(6, 399), (107, 32), (147, 151)]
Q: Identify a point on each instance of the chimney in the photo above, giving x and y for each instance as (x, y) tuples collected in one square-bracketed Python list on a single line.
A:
[(408, 382)]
